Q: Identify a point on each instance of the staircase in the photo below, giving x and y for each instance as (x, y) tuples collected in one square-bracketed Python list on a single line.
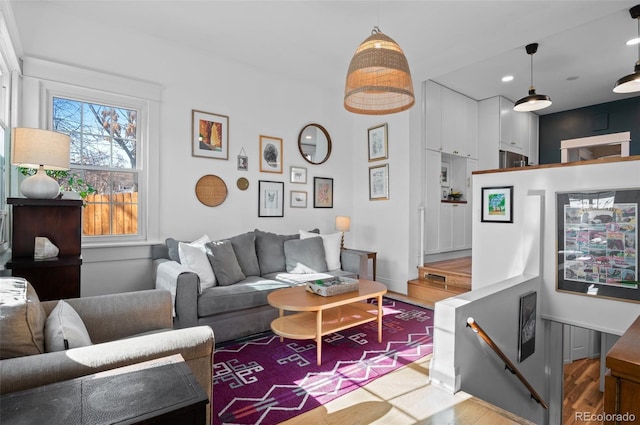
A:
[(442, 279)]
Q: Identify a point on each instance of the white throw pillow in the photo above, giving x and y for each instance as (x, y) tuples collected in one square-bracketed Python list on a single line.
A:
[(194, 256), (64, 329), (331, 244)]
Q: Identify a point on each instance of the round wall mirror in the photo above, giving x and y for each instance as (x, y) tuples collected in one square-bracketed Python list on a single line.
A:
[(314, 143)]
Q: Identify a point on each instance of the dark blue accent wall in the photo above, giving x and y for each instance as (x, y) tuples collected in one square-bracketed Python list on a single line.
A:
[(595, 120)]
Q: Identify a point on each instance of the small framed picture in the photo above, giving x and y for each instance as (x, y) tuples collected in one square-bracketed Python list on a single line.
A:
[(445, 174), (298, 199), (322, 192), (527, 326), (379, 182), (209, 135), (497, 204), (243, 163), (270, 154), (298, 175), (270, 199), (378, 146)]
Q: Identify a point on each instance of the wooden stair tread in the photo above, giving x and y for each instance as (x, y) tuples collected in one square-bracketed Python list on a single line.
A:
[(441, 279)]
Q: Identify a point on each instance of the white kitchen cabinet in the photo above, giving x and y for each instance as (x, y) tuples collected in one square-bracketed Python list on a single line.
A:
[(453, 227), (502, 128), (451, 121)]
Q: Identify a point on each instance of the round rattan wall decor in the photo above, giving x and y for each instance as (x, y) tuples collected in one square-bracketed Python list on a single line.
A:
[(242, 183), (211, 190)]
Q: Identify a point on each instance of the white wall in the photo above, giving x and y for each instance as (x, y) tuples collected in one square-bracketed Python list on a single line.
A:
[(256, 103)]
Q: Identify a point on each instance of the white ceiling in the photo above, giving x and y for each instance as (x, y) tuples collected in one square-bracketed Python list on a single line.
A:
[(465, 45)]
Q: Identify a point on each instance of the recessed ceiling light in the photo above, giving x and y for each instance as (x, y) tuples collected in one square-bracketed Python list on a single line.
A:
[(507, 78)]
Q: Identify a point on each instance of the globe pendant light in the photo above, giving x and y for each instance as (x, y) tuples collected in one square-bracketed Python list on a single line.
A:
[(534, 101), (378, 80), (631, 83)]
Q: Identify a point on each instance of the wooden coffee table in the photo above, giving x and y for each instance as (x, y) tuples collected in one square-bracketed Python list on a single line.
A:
[(319, 316)]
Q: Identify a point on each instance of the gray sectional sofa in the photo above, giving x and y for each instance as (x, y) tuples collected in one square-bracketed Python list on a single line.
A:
[(247, 268)]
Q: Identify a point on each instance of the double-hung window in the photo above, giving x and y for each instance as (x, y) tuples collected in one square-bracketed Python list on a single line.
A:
[(105, 155)]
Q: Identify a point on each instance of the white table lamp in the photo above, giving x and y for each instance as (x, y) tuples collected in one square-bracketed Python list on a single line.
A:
[(44, 150), (343, 224)]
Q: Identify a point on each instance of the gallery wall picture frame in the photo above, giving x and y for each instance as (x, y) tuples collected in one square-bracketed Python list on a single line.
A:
[(298, 175), (596, 240), (270, 154), (270, 198), (243, 161), (445, 174), (209, 135), (497, 204), (379, 182), (298, 199), (322, 192), (527, 325), (378, 142)]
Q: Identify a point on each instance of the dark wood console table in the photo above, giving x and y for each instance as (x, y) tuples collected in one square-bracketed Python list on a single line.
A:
[(162, 391), (60, 220)]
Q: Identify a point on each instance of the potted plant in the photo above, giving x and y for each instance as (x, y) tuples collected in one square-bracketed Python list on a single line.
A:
[(72, 185)]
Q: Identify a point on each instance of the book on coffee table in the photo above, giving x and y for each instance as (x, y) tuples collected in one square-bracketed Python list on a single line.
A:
[(332, 286)]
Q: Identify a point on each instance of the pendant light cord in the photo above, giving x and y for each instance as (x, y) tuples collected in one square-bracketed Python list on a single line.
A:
[(531, 87)]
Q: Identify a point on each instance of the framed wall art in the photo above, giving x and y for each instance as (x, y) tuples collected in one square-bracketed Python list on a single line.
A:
[(377, 142), (497, 204), (270, 154), (209, 135), (597, 239), (527, 325), (298, 175), (445, 174), (298, 199), (322, 192), (243, 161), (270, 199), (379, 182)]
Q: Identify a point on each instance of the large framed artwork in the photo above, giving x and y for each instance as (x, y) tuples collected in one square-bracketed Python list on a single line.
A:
[(209, 135), (270, 199), (497, 204), (527, 325), (270, 154), (322, 192), (597, 239)]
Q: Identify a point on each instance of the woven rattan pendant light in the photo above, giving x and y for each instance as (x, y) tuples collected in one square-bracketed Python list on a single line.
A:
[(379, 80)]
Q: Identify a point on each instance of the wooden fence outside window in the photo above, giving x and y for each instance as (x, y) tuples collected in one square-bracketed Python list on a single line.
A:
[(110, 214)]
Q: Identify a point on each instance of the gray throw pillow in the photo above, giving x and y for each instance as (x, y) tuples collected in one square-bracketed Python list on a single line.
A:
[(270, 250), (305, 255), (172, 246), (244, 246), (224, 263)]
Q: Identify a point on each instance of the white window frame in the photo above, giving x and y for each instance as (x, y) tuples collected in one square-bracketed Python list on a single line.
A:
[(43, 80), (109, 99)]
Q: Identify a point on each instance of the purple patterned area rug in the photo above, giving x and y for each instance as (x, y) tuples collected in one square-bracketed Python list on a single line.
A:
[(265, 381)]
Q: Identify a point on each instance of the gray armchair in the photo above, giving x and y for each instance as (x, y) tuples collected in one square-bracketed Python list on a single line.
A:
[(125, 329)]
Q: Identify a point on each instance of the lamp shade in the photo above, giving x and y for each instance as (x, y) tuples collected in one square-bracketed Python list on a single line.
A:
[(533, 102), (32, 147), (631, 83), (378, 81), (343, 223)]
